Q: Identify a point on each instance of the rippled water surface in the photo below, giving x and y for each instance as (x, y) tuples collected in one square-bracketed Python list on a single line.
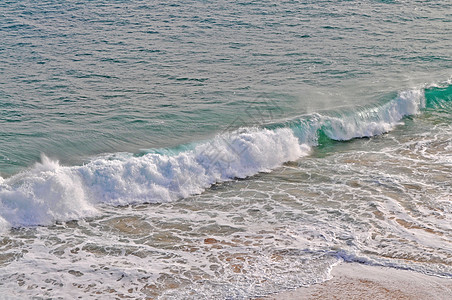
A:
[(221, 150)]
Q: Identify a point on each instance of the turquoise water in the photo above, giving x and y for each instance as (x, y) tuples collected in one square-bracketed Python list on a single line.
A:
[(84, 78), (187, 148)]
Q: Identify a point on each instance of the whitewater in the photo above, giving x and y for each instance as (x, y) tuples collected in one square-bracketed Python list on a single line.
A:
[(221, 150), (49, 192)]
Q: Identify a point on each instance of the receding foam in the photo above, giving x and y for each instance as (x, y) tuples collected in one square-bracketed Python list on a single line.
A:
[(49, 192)]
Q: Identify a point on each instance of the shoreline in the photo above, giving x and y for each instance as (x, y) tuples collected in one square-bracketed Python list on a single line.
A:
[(358, 281)]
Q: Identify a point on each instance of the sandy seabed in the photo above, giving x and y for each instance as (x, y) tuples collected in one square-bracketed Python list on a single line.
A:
[(358, 281)]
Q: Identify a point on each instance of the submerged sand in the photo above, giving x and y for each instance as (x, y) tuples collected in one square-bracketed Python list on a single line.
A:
[(357, 281)]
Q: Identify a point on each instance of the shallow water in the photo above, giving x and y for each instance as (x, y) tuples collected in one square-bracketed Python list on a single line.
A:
[(221, 151)]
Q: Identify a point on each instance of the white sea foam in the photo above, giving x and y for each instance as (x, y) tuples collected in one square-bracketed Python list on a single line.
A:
[(374, 121), (49, 192), (46, 193), (4, 225)]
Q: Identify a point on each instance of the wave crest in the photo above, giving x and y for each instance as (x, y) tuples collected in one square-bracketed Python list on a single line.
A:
[(49, 192)]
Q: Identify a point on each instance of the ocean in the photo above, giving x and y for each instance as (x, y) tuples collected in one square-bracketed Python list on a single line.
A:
[(200, 149)]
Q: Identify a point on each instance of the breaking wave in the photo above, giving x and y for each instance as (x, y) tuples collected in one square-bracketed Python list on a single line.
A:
[(50, 192)]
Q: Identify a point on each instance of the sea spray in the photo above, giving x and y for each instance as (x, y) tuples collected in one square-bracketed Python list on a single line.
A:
[(344, 125), (49, 192), (44, 194)]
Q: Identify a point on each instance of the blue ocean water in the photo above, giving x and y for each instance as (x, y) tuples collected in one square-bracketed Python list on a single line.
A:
[(176, 149)]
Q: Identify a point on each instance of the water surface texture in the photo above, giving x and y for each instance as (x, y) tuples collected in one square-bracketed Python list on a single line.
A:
[(221, 150)]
